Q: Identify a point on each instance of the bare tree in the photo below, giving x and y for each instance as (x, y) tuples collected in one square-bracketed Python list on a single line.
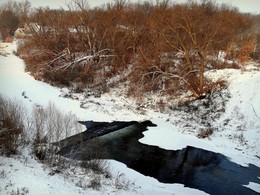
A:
[(165, 47), (8, 23), (195, 30), (21, 9)]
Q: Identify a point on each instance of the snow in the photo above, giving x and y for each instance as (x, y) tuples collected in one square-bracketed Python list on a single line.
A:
[(14, 81), (241, 119), (150, 185), (238, 128), (238, 134), (253, 186), (174, 140), (25, 174), (16, 170)]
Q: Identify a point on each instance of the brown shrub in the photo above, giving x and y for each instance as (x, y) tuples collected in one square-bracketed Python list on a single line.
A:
[(205, 133), (9, 135), (9, 39), (11, 126), (246, 50), (211, 86)]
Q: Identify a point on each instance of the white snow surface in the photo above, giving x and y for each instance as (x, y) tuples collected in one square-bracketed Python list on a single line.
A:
[(237, 137)]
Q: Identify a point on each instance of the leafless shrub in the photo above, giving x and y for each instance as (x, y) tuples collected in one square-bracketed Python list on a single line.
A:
[(93, 159), (43, 126), (205, 133), (12, 115), (47, 154), (211, 87), (49, 124), (98, 166), (161, 105), (121, 183), (95, 183)]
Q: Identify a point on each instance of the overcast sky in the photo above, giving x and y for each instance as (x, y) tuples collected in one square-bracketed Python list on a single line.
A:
[(252, 6)]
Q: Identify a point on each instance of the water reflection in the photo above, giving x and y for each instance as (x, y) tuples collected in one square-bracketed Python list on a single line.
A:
[(196, 168)]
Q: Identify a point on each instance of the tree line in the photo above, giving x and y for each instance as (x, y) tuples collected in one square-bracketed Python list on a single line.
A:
[(13, 15), (161, 47)]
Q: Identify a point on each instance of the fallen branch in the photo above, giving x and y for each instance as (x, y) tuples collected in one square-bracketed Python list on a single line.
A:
[(88, 58), (75, 63), (62, 55), (169, 75)]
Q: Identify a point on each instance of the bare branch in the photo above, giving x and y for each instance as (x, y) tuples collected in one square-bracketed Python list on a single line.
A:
[(86, 58), (62, 54), (158, 73)]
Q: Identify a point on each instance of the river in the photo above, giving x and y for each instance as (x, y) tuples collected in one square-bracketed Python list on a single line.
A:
[(190, 165), (196, 168)]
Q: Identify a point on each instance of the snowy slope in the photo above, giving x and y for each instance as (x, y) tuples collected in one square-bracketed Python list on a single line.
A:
[(26, 175), (237, 133), (240, 124)]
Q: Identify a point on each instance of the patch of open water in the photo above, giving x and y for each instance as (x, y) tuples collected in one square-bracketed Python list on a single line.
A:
[(196, 168)]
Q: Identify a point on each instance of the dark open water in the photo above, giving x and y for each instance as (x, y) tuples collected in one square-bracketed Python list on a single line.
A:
[(196, 168)]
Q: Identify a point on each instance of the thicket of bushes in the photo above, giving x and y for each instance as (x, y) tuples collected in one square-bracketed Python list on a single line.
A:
[(39, 128), (42, 126), (12, 15), (163, 47), (12, 116)]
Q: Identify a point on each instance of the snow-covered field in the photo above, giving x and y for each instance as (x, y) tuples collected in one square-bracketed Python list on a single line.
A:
[(236, 131)]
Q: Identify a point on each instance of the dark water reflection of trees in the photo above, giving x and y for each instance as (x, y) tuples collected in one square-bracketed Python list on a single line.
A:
[(196, 168)]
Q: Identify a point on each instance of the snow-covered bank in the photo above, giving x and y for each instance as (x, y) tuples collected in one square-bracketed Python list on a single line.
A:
[(237, 132), (239, 126), (23, 174), (15, 83)]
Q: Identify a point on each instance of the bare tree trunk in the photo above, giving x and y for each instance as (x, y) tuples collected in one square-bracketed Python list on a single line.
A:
[(201, 73)]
